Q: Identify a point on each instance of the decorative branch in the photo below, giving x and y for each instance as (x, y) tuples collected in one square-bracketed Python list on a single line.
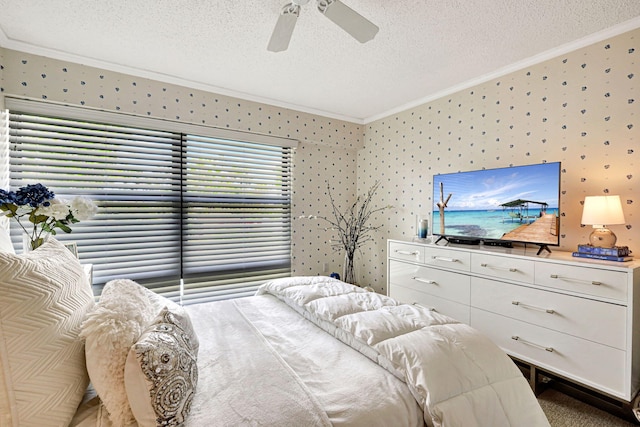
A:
[(351, 225)]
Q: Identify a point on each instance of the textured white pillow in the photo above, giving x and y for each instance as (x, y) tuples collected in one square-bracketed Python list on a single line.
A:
[(44, 297), (124, 311), (5, 242), (161, 372)]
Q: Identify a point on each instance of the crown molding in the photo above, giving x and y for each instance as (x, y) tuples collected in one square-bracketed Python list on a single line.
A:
[(7, 43), (599, 36)]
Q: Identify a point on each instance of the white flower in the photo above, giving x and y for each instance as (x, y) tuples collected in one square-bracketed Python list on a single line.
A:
[(57, 209), (83, 208), (28, 204)]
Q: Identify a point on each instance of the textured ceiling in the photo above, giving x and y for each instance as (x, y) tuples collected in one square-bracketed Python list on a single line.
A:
[(424, 47)]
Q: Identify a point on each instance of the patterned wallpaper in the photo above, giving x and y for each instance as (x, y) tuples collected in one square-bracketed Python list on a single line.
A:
[(580, 108), (326, 153)]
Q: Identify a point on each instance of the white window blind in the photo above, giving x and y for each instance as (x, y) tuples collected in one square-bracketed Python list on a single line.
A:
[(212, 211), (4, 154), (133, 174), (237, 209)]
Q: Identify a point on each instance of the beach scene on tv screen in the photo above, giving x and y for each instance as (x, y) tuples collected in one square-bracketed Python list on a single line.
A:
[(516, 204)]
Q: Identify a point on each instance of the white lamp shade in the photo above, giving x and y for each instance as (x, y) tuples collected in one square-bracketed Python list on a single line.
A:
[(602, 210)]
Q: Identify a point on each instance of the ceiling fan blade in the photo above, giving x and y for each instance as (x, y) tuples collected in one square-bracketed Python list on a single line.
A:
[(348, 19), (281, 35)]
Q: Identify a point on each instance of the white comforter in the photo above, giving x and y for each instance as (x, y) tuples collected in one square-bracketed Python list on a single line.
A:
[(457, 375), (261, 364)]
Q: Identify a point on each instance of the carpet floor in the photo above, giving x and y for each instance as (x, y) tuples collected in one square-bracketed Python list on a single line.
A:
[(565, 411)]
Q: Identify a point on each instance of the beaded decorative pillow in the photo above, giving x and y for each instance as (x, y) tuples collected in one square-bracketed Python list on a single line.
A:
[(161, 371), (124, 312)]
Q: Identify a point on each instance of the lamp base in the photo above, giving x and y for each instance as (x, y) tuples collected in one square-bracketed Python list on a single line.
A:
[(602, 238)]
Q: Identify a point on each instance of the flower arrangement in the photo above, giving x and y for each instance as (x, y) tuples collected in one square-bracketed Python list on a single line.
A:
[(352, 228), (37, 204)]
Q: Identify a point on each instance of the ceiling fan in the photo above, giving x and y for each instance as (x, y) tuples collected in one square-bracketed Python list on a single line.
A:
[(342, 15)]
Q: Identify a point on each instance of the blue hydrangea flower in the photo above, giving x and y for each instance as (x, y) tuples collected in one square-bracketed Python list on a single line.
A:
[(7, 197), (34, 195)]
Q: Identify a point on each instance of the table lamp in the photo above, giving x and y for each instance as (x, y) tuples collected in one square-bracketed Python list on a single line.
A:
[(600, 211)]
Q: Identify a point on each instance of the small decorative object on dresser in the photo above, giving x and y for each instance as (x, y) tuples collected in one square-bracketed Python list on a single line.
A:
[(570, 317), (600, 211), (616, 253), (422, 226)]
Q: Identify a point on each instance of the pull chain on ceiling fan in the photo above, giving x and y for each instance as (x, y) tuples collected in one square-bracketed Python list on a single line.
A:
[(342, 15)]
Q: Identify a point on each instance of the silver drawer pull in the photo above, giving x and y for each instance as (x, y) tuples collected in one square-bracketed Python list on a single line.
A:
[(407, 252), (422, 306), (517, 338), (446, 259), (590, 282), (533, 307), (427, 281), (511, 269)]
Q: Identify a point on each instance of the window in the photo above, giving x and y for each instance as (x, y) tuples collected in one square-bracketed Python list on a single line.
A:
[(211, 208), (236, 214)]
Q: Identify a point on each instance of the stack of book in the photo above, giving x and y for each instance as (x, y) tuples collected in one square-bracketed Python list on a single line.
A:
[(616, 253)]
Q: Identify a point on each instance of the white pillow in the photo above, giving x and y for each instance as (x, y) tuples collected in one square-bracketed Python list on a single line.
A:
[(161, 372), (124, 311), (5, 242), (44, 297)]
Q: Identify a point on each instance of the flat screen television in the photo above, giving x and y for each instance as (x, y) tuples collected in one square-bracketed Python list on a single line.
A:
[(499, 206)]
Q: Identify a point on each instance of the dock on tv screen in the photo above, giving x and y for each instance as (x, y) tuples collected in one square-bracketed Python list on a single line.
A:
[(517, 204)]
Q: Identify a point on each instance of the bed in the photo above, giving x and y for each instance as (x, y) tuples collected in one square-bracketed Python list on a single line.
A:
[(304, 351)]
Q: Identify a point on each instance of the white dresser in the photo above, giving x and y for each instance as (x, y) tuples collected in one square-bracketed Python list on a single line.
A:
[(571, 317)]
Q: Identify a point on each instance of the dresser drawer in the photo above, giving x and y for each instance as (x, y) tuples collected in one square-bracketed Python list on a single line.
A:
[(605, 323), (441, 283), (406, 251), (593, 364), (449, 308), (447, 258), (585, 280), (520, 270)]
